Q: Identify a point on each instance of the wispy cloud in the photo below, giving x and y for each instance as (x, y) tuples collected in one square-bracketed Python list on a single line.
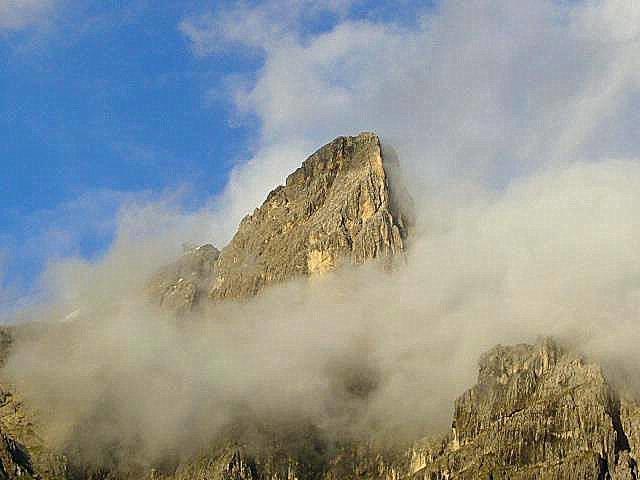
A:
[(257, 27), (78, 234), (20, 14)]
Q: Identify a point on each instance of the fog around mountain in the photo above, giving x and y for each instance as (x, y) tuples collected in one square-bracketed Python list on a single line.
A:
[(514, 125)]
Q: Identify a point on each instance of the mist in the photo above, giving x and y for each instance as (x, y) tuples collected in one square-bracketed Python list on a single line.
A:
[(516, 143)]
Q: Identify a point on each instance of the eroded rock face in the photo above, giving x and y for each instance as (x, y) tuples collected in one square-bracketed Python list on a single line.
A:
[(336, 207), (630, 419), (537, 412), (177, 287)]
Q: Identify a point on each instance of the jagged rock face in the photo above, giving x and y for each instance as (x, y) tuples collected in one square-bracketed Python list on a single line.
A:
[(336, 206), (630, 420), (178, 286), (536, 413), (229, 464)]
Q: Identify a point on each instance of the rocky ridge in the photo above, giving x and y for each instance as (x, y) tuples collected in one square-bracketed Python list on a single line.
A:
[(337, 207), (537, 411), (179, 286)]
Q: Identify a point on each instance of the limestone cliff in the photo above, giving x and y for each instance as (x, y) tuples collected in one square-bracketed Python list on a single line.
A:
[(337, 207), (179, 285), (537, 412)]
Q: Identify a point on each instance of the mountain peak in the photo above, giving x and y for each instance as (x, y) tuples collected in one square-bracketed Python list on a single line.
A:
[(336, 208)]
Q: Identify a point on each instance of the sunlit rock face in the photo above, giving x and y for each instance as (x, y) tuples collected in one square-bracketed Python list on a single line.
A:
[(537, 412), (337, 207)]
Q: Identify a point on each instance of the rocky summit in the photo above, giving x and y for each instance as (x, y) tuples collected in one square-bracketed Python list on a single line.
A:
[(337, 207), (537, 411)]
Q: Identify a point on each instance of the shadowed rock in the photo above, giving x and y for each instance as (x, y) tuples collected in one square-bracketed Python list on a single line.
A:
[(537, 412), (178, 286)]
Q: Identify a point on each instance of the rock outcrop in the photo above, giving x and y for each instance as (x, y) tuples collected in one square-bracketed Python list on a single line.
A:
[(178, 287), (537, 412), (23, 454), (337, 207)]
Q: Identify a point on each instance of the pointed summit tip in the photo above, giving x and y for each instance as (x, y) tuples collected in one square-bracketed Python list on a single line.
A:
[(335, 209)]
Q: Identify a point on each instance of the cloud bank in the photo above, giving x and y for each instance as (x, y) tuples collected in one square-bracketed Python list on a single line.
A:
[(515, 128)]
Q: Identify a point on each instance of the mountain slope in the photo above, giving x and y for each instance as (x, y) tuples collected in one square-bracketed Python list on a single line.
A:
[(23, 454), (537, 412)]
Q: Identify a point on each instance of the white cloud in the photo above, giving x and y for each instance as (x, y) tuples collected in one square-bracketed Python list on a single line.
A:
[(258, 27), (555, 254), (19, 14), (612, 20), (481, 91)]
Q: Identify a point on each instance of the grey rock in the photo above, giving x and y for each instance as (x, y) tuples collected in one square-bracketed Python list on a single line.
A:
[(537, 412), (336, 207), (177, 287)]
